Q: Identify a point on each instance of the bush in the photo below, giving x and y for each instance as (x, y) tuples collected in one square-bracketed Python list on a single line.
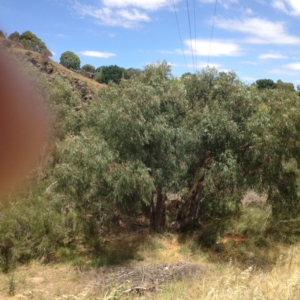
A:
[(31, 228), (70, 60), (31, 42), (15, 36)]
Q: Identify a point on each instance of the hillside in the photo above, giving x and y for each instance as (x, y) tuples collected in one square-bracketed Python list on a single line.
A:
[(85, 87)]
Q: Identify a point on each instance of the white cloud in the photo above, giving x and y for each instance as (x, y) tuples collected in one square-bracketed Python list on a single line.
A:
[(291, 7), (53, 53), (284, 71), (279, 5), (123, 13), (143, 4), (293, 66), (260, 31), (291, 69), (126, 18), (97, 54), (272, 56), (214, 48)]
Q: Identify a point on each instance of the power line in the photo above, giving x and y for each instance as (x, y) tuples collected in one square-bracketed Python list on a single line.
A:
[(188, 11), (195, 29), (180, 35), (212, 31)]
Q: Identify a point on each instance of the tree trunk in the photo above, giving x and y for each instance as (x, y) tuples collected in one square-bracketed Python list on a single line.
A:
[(158, 212), (190, 210)]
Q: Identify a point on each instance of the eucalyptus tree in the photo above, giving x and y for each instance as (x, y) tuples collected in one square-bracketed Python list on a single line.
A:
[(239, 138), (130, 148)]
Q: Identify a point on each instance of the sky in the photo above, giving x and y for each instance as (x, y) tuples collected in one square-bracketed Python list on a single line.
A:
[(255, 38)]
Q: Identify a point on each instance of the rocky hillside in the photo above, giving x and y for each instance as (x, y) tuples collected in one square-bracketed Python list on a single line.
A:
[(85, 87)]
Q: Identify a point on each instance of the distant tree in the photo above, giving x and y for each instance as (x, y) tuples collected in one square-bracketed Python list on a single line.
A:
[(187, 74), (32, 42), (15, 36), (70, 60), (111, 73), (87, 68), (132, 72), (98, 76), (2, 34), (265, 84), (285, 85), (98, 70)]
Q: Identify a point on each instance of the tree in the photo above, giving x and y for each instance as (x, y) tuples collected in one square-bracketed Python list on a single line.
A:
[(132, 72), (70, 60), (207, 134), (88, 71), (15, 36), (2, 34), (111, 73), (288, 86), (31, 42), (87, 68), (129, 152), (239, 138), (265, 84)]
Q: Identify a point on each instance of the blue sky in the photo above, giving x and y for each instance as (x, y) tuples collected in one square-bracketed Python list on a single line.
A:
[(255, 38)]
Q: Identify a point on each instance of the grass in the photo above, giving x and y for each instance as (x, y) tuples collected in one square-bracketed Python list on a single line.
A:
[(228, 281), (221, 280), (250, 260)]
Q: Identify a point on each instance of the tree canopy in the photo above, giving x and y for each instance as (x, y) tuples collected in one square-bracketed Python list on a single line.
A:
[(31, 42), (265, 84), (87, 68), (109, 73), (70, 60), (15, 36), (207, 133)]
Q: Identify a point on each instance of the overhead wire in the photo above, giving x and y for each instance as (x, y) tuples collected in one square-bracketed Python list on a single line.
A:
[(195, 29), (212, 31), (188, 11), (180, 35)]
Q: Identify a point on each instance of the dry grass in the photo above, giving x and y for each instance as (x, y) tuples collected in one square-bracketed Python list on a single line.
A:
[(220, 281), (231, 282), (59, 70), (242, 268)]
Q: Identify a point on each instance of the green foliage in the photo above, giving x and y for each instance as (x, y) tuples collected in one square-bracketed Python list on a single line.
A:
[(87, 68), (110, 73), (265, 84), (31, 42), (66, 113), (98, 77), (132, 72), (15, 36), (70, 60), (248, 134), (11, 285), (151, 134), (31, 228), (118, 165), (288, 86)]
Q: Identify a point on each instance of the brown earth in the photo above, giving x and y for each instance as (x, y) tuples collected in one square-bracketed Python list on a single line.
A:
[(86, 87)]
